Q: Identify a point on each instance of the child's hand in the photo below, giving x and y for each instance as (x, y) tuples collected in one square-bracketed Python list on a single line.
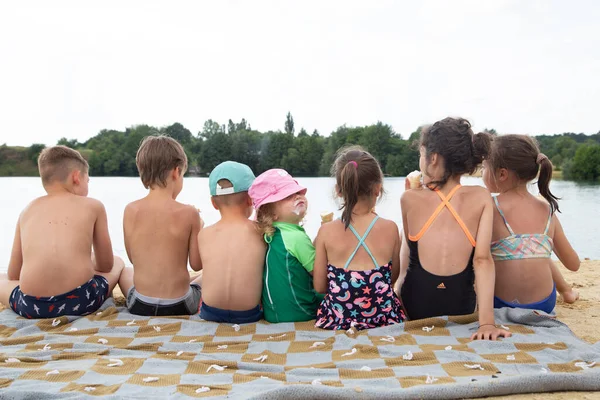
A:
[(490, 332)]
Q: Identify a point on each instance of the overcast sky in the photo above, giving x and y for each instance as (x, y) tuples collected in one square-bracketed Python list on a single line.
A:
[(70, 69)]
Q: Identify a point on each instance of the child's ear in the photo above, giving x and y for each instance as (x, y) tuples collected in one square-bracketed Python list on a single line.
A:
[(76, 177), (502, 174), (214, 204), (377, 189), (176, 173), (434, 159)]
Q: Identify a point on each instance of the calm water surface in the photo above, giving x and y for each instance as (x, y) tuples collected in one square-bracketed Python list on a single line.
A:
[(580, 212)]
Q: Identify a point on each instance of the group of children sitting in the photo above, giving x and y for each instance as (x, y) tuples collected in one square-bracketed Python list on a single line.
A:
[(463, 250)]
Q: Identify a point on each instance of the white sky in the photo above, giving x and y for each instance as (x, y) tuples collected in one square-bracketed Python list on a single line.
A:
[(73, 68)]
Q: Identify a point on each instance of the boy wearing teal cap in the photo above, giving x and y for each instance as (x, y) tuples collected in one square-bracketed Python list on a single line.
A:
[(232, 250)]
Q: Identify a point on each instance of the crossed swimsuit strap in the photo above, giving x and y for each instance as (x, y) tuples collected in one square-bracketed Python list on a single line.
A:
[(510, 230), (438, 210), (361, 242)]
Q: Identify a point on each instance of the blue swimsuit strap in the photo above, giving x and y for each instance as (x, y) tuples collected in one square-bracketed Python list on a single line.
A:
[(361, 242)]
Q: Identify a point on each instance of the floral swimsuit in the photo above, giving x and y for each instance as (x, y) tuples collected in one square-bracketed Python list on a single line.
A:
[(359, 299)]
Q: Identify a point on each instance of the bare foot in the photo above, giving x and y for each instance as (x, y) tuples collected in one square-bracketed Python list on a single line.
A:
[(570, 297)]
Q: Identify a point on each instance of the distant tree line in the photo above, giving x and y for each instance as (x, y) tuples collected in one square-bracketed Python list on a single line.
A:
[(112, 152)]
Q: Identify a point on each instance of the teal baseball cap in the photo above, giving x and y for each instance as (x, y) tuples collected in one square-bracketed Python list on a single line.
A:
[(240, 176)]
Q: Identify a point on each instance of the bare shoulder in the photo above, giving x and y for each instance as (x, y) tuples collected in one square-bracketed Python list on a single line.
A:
[(93, 204), (414, 196), (206, 232), (331, 228), (187, 212), (388, 225), (478, 193)]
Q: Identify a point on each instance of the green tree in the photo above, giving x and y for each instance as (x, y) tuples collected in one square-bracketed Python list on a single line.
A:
[(72, 143), (179, 133), (34, 151), (586, 164), (289, 124)]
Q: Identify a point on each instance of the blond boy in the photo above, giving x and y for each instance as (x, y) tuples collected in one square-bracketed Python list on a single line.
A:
[(160, 236), (232, 250), (52, 271)]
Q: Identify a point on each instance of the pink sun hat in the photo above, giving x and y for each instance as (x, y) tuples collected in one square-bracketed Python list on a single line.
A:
[(273, 185)]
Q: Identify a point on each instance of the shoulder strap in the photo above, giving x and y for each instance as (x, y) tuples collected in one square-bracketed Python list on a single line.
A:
[(361, 242), (502, 215), (438, 210), (549, 221)]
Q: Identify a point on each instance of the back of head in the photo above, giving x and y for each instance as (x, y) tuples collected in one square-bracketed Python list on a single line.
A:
[(229, 183), (453, 139), (232, 200), (57, 162), (356, 173), (157, 156), (521, 155)]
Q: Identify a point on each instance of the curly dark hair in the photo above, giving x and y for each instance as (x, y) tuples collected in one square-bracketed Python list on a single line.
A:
[(453, 139)]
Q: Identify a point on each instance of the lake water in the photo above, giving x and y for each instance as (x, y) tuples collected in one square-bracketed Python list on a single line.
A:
[(580, 212)]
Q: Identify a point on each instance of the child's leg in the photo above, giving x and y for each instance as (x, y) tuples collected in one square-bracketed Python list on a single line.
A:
[(197, 279), (566, 292), (126, 281), (6, 288), (113, 276)]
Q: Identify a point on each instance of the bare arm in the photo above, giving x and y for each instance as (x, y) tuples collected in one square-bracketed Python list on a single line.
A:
[(396, 255), (101, 241), (404, 261), (320, 267), (16, 255), (404, 250), (563, 248), (194, 252), (126, 222), (485, 275)]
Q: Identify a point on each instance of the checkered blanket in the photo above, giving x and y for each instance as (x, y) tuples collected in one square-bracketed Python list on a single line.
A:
[(116, 354)]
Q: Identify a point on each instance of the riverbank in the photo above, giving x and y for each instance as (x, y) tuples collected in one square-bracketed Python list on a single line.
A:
[(582, 317)]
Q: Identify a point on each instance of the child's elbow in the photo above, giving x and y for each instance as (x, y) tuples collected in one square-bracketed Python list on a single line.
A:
[(320, 288), (483, 261), (574, 265)]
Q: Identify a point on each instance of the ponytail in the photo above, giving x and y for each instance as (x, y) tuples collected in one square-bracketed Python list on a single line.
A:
[(356, 174), (482, 145), (349, 190), (544, 182)]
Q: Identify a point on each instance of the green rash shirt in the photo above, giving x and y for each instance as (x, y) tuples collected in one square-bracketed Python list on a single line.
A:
[(288, 294)]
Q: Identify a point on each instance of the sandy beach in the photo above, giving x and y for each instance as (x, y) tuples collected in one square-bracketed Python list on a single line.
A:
[(583, 318)]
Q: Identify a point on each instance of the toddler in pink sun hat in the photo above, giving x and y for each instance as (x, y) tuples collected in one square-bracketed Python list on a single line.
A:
[(281, 204)]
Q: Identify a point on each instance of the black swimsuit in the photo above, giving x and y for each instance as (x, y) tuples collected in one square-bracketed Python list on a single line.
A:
[(426, 295)]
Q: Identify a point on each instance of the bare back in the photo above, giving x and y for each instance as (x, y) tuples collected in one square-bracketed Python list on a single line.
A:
[(444, 248), (57, 234), (524, 280), (158, 233), (233, 257), (383, 241)]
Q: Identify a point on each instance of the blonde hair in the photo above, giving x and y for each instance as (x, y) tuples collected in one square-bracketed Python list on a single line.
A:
[(156, 157), (265, 216), (57, 162)]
